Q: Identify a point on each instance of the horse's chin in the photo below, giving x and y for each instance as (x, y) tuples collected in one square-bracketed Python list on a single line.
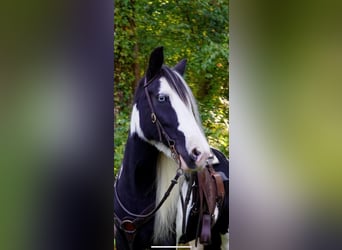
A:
[(193, 167)]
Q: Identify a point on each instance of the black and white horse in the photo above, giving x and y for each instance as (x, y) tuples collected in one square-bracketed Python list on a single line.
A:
[(165, 140)]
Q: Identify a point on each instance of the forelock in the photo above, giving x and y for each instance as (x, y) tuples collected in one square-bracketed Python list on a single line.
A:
[(177, 84)]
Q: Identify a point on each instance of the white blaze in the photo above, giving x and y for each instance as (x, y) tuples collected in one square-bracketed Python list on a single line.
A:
[(188, 125)]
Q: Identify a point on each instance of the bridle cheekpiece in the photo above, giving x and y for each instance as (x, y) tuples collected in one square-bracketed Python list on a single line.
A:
[(161, 131)]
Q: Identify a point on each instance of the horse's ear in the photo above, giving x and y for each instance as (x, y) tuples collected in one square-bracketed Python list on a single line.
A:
[(155, 63), (180, 67)]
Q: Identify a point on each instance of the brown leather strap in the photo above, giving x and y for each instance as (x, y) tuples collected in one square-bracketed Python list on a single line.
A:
[(208, 188), (220, 191), (205, 238), (207, 194), (153, 114), (219, 185), (211, 191), (201, 205), (161, 131)]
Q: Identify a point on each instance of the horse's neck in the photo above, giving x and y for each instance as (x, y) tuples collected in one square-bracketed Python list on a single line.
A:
[(138, 173)]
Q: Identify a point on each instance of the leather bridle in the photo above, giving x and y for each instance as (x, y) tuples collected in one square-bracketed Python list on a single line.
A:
[(212, 179), (161, 131), (130, 226)]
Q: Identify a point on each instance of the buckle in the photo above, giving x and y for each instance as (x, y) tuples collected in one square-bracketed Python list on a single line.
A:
[(128, 226), (153, 117)]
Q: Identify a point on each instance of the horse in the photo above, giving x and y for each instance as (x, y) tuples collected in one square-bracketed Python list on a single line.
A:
[(166, 145)]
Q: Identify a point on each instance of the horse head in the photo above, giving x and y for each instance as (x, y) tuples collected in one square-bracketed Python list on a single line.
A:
[(165, 114)]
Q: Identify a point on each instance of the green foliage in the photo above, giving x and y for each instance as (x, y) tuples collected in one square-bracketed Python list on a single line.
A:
[(121, 129), (196, 30)]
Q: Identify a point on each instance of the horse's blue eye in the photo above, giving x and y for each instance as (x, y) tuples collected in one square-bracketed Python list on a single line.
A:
[(161, 98)]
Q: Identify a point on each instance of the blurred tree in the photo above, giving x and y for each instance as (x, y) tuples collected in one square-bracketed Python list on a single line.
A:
[(196, 30)]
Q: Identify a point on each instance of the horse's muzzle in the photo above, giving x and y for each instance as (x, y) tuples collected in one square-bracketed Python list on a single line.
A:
[(197, 160)]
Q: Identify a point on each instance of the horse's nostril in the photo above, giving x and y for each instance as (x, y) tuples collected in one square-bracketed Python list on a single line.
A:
[(195, 153)]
